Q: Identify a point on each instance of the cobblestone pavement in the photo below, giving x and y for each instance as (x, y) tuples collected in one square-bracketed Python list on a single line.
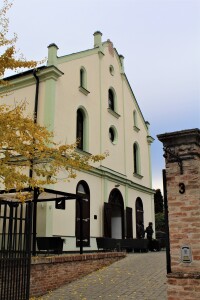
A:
[(139, 276)]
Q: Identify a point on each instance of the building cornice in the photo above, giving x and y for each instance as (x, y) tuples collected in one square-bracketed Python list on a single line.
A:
[(119, 179), (27, 78), (78, 55), (180, 137)]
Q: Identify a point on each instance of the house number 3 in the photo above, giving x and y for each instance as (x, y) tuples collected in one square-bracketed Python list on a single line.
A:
[(181, 188)]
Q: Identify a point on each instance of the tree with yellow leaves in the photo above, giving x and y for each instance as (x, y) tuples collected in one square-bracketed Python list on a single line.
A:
[(8, 61), (28, 155)]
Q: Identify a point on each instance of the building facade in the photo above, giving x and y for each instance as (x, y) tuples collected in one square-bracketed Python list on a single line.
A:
[(87, 96)]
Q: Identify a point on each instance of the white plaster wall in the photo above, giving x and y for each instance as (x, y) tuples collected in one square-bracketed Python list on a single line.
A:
[(26, 94), (69, 99), (120, 161)]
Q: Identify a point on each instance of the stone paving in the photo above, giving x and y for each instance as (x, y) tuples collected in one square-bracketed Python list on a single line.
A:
[(139, 276)]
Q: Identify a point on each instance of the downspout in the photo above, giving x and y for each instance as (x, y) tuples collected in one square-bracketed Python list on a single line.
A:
[(35, 192), (36, 95), (168, 254)]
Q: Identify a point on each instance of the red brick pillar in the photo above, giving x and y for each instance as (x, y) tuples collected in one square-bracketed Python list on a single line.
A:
[(182, 159)]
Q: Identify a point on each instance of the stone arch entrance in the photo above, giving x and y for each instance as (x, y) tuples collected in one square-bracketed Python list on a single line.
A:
[(114, 215)]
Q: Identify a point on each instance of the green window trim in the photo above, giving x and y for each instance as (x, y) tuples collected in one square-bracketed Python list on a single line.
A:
[(113, 113), (83, 90)]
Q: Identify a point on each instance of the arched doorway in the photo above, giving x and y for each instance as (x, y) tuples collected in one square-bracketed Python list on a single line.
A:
[(114, 215), (83, 189), (139, 216)]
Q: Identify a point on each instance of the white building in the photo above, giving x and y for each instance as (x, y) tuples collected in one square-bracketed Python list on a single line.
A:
[(87, 95)]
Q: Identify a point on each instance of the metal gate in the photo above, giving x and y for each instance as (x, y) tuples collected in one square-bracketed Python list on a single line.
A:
[(15, 250)]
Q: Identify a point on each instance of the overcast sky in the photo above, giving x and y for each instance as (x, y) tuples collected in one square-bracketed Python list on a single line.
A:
[(160, 40)]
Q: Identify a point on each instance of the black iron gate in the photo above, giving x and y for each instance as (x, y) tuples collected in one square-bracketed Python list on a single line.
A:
[(15, 250)]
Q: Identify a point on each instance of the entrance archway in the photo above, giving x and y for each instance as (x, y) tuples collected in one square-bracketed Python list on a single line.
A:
[(114, 215)]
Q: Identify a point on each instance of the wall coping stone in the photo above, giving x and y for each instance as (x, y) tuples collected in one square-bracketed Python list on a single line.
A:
[(182, 137), (195, 275), (75, 257)]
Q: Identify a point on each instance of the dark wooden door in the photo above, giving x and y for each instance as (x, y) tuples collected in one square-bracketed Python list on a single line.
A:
[(83, 191), (129, 223)]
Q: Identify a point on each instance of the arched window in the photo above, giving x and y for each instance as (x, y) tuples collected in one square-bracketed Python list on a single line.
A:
[(82, 129), (111, 100), (135, 118), (83, 190), (136, 158), (135, 121), (139, 218), (83, 78), (79, 128)]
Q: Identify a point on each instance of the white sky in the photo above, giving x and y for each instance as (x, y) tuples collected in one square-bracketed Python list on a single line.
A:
[(160, 40)]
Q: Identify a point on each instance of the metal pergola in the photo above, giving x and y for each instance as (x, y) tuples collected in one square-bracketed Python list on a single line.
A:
[(46, 195)]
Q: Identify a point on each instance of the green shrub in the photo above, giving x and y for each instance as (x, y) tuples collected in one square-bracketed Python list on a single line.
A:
[(160, 221)]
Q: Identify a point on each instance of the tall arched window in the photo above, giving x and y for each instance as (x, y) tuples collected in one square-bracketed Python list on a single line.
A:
[(79, 128), (84, 191), (111, 100), (139, 218), (135, 118), (136, 158), (83, 78)]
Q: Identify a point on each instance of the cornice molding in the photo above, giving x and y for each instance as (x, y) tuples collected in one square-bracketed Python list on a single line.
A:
[(50, 72), (120, 179)]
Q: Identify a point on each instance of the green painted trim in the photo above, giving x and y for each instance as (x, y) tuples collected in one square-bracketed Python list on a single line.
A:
[(134, 100), (105, 190), (112, 171), (77, 55), (150, 166), (82, 152), (50, 72), (136, 128), (138, 176), (52, 54), (49, 219), (49, 104), (126, 196), (100, 99), (113, 113), (150, 139), (83, 90), (119, 179), (124, 126)]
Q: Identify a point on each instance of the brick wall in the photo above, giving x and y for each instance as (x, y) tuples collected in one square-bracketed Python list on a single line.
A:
[(183, 286), (48, 273), (183, 147)]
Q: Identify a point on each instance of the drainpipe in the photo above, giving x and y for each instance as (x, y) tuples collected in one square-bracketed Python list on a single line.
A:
[(168, 255), (35, 192), (36, 95)]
